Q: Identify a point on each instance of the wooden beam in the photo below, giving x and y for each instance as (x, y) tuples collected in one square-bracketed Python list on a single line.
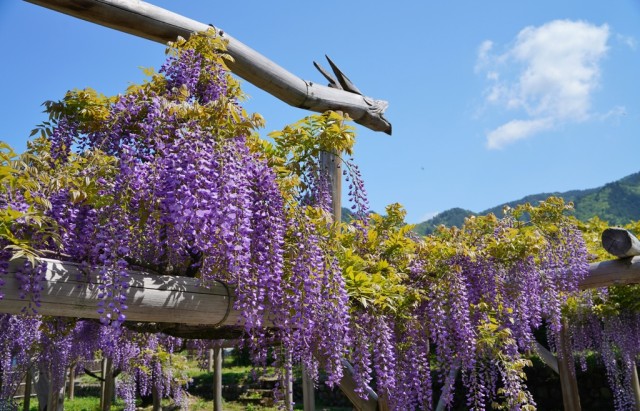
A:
[(547, 357), (623, 271), (567, 371), (69, 292), (154, 23), (348, 387), (635, 385), (620, 242)]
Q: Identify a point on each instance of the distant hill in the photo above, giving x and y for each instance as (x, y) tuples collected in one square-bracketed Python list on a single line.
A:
[(451, 217), (617, 203), (347, 215)]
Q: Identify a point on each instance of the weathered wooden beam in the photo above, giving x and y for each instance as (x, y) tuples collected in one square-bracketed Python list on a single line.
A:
[(567, 371), (620, 242), (67, 291), (348, 386), (182, 305), (635, 385), (546, 357), (623, 271), (160, 25)]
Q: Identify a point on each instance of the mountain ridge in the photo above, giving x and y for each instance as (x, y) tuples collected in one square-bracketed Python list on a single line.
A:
[(617, 202)]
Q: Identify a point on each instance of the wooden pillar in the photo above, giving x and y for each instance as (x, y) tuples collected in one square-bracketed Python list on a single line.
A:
[(383, 403), (109, 391), (107, 385), (453, 374), (635, 385), (567, 372), (308, 395), (288, 383), (27, 391), (157, 398), (210, 363), (72, 382), (52, 396), (331, 163), (217, 378), (348, 387), (103, 374)]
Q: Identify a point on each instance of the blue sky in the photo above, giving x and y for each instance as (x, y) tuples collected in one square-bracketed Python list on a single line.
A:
[(489, 101)]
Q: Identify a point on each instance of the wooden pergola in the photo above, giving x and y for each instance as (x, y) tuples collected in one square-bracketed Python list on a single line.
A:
[(155, 302)]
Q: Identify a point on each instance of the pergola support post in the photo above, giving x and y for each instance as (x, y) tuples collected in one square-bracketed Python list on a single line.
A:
[(217, 379), (567, 371)]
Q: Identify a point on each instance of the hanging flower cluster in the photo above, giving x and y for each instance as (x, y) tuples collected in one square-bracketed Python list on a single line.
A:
[(167, 178), (171, 178), (49, 348)]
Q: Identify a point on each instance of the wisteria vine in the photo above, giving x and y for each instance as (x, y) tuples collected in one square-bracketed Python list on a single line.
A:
[(171, 177)]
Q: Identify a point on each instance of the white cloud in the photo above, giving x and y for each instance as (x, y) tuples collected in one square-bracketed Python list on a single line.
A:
[(629, 41), (614, 115), (548, 76), (483, 54), (516, 130)]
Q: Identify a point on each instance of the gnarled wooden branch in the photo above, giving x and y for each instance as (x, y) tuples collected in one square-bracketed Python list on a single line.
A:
[(157, 24)]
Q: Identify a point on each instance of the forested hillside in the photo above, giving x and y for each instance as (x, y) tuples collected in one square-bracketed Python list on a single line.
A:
[(617, 202)]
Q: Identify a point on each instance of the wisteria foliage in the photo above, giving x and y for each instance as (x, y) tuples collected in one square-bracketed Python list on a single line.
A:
[(171, 177)]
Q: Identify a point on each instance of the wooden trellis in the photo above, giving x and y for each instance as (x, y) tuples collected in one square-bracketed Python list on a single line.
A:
[(181, 306)]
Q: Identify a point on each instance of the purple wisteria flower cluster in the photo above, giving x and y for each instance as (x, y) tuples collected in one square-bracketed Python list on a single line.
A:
[(172, 183), (185, 195)]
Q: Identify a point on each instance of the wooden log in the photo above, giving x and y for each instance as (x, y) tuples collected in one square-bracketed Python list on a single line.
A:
[(109, 385), (612, 272), (635, 385), (547, 357), (217, 379), (308, 394), (69, 292), (26, 406), (160, 25), (620, 242), (210, 362), (567, 372), (453, 374), (348, 387), (72, 382)]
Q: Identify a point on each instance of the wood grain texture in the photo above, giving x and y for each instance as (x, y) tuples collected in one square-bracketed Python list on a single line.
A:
[(620, 242)]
